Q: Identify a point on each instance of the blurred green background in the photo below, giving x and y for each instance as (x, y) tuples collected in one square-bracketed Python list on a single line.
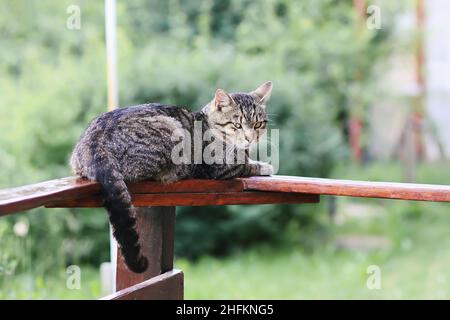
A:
[(325, 68)]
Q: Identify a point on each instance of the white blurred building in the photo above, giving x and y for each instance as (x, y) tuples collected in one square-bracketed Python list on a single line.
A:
[(437, 52), (388, 114)]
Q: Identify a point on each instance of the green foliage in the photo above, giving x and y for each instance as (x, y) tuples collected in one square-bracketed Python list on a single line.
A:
[(53, 83)]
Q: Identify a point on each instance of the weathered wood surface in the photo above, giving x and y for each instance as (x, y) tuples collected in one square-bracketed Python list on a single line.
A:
[(156, 229), (167, 286), (76, 192), (195, 199), (39, 194), (70, 190), (366, 189), (188, 186)]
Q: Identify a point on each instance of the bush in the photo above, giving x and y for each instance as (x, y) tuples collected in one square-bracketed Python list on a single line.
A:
[(179, 53)]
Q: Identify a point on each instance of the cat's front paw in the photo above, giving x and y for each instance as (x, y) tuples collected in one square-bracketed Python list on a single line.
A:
[(265, 169)]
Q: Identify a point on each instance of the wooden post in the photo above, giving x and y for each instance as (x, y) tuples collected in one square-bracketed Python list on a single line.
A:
[(156, 228)]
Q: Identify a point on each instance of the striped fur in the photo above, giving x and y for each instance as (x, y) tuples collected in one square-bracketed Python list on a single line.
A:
[(135, 143)]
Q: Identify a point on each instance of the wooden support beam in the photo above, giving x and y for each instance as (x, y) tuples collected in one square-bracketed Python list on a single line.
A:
[(195, 199), (187, 186), (167, 286), (156, 228)]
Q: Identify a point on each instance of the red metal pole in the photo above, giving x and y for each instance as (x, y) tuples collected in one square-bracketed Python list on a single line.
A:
[(355, 125), (417, 116)]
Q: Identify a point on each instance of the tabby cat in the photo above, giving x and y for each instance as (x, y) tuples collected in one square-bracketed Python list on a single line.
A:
[(136, 143)]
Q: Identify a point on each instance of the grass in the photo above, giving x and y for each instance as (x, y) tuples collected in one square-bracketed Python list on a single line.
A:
[(416, 264), (325, 275), (52, 286)]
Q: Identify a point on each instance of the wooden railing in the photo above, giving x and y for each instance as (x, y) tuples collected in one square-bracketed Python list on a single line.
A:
[(156, 212)]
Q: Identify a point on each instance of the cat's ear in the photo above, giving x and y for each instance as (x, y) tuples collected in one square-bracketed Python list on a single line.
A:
[(262, 93), (223, 100)]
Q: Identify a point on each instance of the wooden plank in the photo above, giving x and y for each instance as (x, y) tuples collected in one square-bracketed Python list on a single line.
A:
[(72, 188), (196, 199), (167, 286), (367, 189), (187, 186), (36, 195), (41, 194), (156, 228), (168, 238)]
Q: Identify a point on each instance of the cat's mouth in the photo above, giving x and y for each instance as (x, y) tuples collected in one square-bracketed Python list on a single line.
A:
[(245, 145)]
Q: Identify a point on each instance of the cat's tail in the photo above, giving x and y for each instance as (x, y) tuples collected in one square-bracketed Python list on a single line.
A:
[(122, 214)]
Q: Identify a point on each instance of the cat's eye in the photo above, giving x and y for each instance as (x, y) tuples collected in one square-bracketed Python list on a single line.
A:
[(237, 125), (258, 125)]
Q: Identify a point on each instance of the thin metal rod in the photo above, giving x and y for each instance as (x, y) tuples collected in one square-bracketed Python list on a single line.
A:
[(111, 53), (113, 97)]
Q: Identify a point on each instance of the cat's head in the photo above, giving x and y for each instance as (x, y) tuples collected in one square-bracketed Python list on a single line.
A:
[(239, 118)]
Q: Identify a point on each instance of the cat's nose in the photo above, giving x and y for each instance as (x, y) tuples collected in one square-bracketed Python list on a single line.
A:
[(249, 138)]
